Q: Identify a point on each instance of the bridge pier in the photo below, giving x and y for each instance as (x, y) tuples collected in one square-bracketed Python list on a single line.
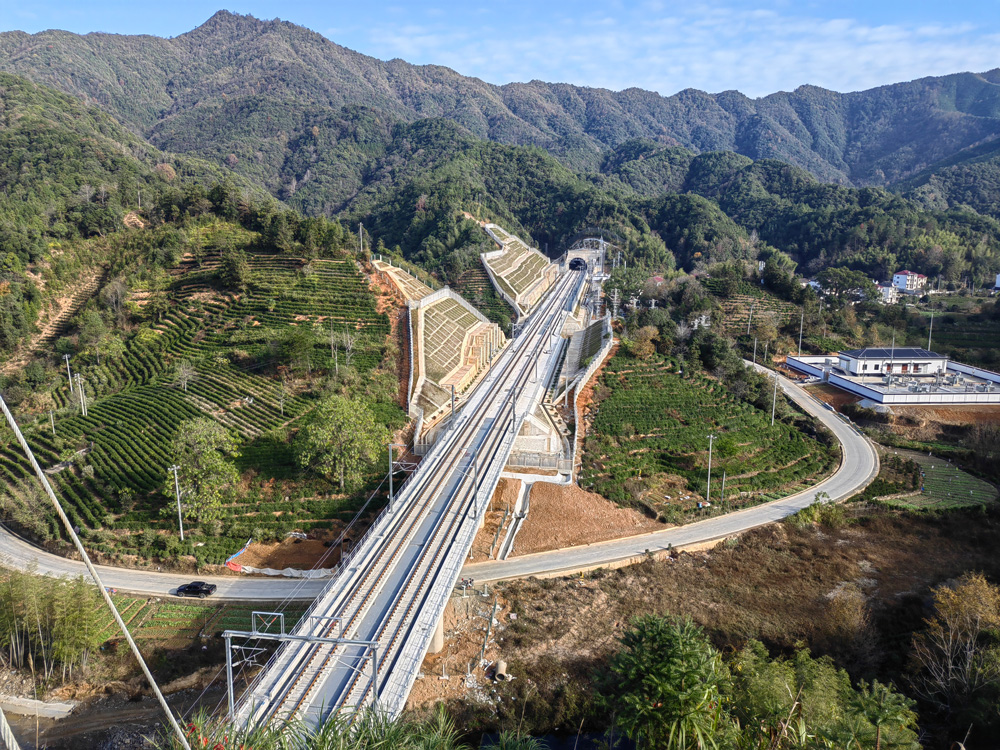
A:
[(437, 640)]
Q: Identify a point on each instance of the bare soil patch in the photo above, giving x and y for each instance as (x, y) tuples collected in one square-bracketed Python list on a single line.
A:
[(832, 395), (301, 554), (951, 415), (465, 627), (505, 496), (584, 415), (566, 516)]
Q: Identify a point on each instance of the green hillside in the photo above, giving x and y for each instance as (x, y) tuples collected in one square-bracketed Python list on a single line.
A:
[(276, 80), (257, 356)]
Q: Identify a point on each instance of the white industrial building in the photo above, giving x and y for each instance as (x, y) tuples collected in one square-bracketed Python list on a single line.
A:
[(909, 282), (902, 375), (900, 360)]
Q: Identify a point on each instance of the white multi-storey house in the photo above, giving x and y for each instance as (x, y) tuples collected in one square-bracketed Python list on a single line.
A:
[(909, 282)]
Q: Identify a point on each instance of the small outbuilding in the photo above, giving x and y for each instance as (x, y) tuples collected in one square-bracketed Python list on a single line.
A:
[(896, 361)]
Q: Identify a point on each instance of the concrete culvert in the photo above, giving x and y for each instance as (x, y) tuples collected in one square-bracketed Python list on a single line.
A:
[(501, 673)]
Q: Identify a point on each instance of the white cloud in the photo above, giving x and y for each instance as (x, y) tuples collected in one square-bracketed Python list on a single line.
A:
[(660, 47)]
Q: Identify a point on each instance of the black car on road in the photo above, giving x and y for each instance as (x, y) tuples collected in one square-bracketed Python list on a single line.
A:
[(196, 588)]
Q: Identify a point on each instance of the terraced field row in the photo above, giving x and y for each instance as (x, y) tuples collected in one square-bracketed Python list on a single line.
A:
[(736, 311), (233, 343), (475, 286), (655, 424)]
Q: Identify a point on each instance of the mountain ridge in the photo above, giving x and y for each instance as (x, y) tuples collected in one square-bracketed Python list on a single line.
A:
[(155, 85)]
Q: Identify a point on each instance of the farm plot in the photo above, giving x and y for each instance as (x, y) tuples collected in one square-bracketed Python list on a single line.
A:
[(736, 306), (169, 622), (112, 487), (945, 486), (474, 285), (650, 445)]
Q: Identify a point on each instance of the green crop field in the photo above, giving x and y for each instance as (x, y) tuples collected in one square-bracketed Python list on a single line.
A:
[(651, 428), (945, 486), (737, 306), (169, 620), (121, 450), (477, 289)]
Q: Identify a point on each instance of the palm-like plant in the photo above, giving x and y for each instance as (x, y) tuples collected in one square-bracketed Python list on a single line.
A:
[(667, 685), (512, 740), (883, 708)]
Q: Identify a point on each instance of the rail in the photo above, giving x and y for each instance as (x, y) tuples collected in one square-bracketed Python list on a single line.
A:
[(449, 487)]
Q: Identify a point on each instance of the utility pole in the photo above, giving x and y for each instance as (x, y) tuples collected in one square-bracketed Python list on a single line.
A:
[(177, 493), (774, 398), (83, 396), (708, 489), (755, 350), (52, 420), (392, 470), (68, 373), (722, 497), (892, 356), (452, 404), (361, 238), (281, 398), (751, 317), (929, 332), (802, 320)]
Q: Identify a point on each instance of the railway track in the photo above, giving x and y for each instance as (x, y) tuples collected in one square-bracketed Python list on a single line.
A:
[(434, 508)]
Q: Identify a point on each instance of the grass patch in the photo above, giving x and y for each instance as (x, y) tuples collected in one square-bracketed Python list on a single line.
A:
[(944, 486)]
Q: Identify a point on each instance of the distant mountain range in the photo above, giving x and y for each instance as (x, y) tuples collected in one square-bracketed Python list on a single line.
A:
[(248, 88), (903, 175)]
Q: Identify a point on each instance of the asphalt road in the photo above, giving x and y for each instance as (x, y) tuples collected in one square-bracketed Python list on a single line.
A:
[(858, 467)]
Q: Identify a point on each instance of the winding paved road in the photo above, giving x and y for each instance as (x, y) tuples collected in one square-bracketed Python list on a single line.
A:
[(858, 467)]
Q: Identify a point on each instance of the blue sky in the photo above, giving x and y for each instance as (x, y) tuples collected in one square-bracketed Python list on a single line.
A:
[(755, 47)]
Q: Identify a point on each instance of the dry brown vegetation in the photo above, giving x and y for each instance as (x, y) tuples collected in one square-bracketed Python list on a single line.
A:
[(857, 593)]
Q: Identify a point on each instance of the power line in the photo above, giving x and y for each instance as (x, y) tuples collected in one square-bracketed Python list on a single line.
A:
[(94, 575)]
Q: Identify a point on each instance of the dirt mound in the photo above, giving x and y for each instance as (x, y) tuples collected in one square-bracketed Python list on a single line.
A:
[(301, 554), (951, 415), (833, 395), (566, 516)]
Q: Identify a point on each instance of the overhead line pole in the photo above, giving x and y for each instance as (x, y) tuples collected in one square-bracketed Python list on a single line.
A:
[(83, 396), (774, 398), (69, 374), (177, 493), (708, 490)]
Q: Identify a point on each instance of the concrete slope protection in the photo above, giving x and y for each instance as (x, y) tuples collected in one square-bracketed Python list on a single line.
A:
[(859, 466)]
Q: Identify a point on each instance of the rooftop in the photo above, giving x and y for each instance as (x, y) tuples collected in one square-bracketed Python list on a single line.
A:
[(909, 352), (909, 273)]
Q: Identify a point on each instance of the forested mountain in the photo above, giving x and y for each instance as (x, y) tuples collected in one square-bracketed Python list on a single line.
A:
[(243, 111), (69, 172), (242, 90)]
